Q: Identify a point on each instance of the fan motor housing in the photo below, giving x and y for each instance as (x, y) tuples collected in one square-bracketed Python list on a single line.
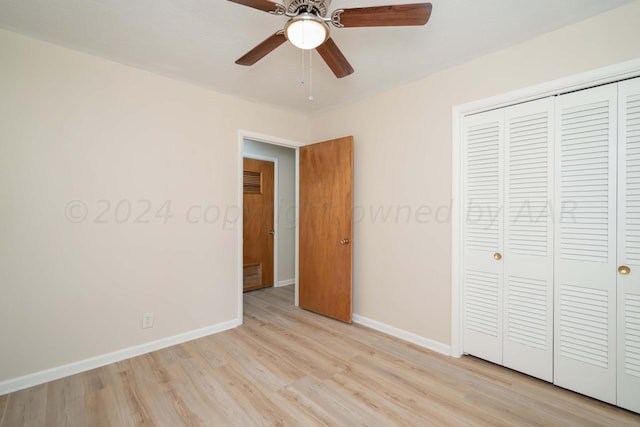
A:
[(316, 7)]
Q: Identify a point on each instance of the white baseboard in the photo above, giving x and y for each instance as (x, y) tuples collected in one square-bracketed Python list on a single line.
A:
[(432, 345), (52, 374), (285, 283)]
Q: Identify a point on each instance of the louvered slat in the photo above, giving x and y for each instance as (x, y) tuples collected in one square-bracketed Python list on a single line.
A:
[(631, 337), (252, 274), (481, 300), (527, 312), (527, 174), (252, 182), (482, 186), (584, 325), (584, 182)]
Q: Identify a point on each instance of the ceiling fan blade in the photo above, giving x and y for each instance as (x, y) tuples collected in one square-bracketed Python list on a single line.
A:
[(383, 16), (265, 5), (334, 58), (264, 48)]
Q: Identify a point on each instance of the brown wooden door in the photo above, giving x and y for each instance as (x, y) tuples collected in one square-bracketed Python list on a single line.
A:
[(258, 231), (326, 209)]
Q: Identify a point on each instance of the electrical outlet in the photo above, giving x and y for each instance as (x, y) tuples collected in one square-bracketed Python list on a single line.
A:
[(147, 320)]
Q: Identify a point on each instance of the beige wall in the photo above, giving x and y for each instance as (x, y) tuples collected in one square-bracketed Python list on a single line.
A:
[(286, 215), (78, 128), (403, 164)]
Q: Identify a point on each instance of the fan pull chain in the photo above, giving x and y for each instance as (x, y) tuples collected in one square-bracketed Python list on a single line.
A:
[(310, 98), (302, 75)]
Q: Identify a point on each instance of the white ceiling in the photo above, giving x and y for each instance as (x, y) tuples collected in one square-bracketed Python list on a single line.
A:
[(199, 40)]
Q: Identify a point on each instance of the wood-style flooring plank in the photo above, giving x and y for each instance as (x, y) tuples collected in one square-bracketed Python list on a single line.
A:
[(337, 402), (26, 407), (265, 353), (286, 366), (65, 402), (3, 406)]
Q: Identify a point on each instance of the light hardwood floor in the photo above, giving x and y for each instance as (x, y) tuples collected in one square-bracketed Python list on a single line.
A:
[(285, 366)]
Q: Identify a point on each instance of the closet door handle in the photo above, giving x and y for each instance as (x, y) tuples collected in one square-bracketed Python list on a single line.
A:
[(623, 269), (497, 256)]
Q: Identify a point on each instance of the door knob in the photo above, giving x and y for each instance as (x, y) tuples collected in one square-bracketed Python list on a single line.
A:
[(497, 256), (344, 241), (623, 269), (272, 232)]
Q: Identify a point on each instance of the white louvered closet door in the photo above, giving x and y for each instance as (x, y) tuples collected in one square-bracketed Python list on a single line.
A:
[(629, 244), (528, 251), (585, 242), (483, 188)]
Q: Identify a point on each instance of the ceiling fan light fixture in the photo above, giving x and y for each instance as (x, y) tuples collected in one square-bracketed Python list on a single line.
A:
[(306, 31)]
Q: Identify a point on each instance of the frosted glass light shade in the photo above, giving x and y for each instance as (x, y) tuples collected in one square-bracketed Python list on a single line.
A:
[(306, 31)]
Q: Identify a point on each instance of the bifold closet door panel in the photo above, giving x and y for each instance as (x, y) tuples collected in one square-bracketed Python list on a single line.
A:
[(483, 194), (629, 244), (585, 242), (528, 251)]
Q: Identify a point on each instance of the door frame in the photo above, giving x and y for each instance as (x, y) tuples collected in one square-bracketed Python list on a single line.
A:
[(272, 140), (273, 160), (608, 74)]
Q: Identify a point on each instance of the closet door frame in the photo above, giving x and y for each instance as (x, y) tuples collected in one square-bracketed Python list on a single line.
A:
[(584, 80)]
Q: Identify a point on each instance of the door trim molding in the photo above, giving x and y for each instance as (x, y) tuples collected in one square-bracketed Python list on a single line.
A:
[(608, 74), (272, 140), (273, 160)]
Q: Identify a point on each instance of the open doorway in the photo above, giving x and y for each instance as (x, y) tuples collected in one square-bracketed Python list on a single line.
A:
[(282, 204), (273, 214)]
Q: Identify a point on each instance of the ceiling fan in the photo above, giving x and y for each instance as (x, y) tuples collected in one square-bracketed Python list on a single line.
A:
[(308, 26)]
